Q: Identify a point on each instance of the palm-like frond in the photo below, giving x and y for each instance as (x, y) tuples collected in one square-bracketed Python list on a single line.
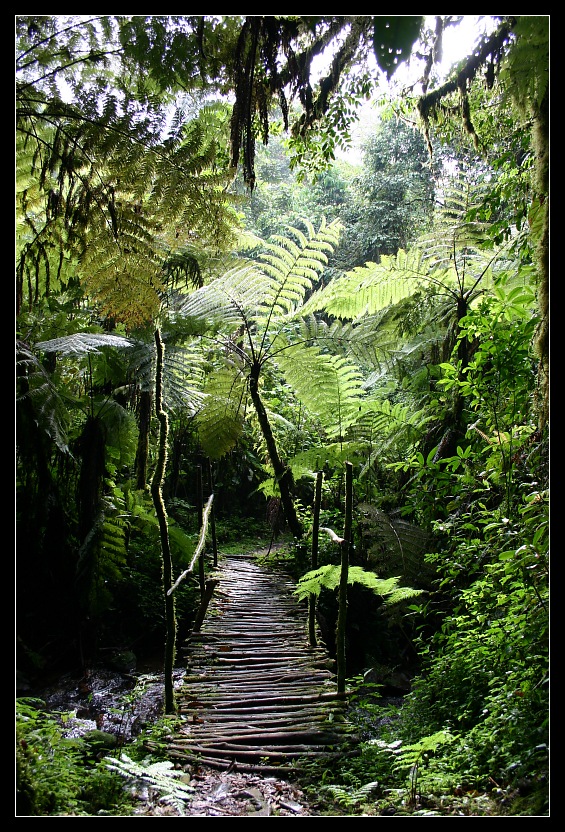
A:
[(98, 188), (370, 288), (330, 387), (51, 414), (220, 419), (82, 343), (328, 577), (271, 287)]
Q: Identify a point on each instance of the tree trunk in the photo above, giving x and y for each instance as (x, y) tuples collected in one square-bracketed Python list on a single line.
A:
[(315, 530), (541, 344), (283, 475), (157, 495), (345, 552)]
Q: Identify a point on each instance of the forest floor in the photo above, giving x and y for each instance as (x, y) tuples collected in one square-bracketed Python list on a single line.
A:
[(229, 794)]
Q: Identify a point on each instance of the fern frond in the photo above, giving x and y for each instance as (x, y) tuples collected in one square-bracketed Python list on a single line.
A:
[(112, 543), (51, 413), (162, 777), (394, 543), (183, 379), (82, 343), (336, 397), (264, 290), (379, 418), (230, 300), (333, 455), (370, 288), (220, 419), (328, 577)]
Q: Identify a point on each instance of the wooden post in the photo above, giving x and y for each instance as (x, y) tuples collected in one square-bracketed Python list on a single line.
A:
[(159, 503), (342, 602), (213, 516), (206, 598), (200, 508), (315, 535)]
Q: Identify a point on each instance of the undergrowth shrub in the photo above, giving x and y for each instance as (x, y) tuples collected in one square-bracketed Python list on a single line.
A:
[(60, 776)]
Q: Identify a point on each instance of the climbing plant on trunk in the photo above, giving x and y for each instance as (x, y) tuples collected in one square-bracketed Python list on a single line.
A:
[(157, 495)]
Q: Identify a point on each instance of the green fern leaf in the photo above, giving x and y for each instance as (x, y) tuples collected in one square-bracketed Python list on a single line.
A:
[(328, 577), (370, 288), (220, 419), (161, 777), (82, 343), (336, 396)]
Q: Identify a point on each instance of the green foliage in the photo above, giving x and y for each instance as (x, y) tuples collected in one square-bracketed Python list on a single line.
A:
[(370, 288), (527, 65), (335, 398), (55, 775), (328, 577), (410, 759), (486, 668), (249, 309), (417, 366), (160, 776), (100, 194), (220, 418)]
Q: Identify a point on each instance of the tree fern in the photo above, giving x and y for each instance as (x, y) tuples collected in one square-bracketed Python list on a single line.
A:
[(248, 310), (330, 455), (268, 289), (381, 424)]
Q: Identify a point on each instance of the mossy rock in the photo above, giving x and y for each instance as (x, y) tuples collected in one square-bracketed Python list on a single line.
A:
[(100, 740)]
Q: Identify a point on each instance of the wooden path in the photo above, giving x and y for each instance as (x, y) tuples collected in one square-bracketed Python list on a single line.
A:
[(256, 696)]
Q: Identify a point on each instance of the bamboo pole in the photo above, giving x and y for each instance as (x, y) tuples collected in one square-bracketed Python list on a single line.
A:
[(200, 507), (342, 603), (315, 535)]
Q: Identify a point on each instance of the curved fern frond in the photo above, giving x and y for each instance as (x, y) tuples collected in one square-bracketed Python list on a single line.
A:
[(50, 412), (232, 300), (370, 288), (394, 544), (380, 418), (328, 577), (220, 419), (82, 343), (336, 395), (261, 293), (183, 379)]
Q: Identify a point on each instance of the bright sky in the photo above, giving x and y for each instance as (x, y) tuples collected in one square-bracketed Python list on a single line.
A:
[(458, 43)]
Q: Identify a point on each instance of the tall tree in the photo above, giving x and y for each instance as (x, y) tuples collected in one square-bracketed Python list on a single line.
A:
[(254, 309), (395, 193)]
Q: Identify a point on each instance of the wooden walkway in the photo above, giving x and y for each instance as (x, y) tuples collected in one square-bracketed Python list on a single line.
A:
[(256, 696)]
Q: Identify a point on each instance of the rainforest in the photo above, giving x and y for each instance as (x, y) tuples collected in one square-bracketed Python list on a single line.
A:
[(282, 339)]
